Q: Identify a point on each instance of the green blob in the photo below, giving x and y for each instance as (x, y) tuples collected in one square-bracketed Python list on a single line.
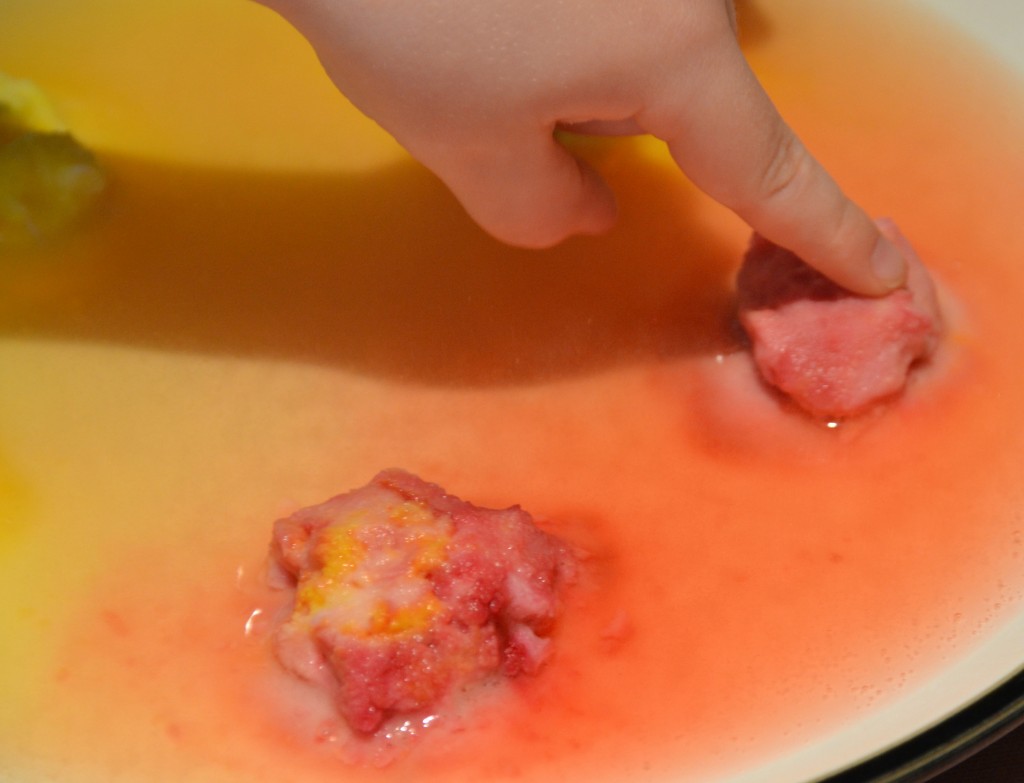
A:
[(24, 107), (48, 180)]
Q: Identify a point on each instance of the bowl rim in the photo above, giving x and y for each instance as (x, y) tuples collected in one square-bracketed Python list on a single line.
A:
[(945, 744)]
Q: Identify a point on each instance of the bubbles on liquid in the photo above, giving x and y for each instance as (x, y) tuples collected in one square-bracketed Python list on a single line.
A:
[(410, 727), (253, 624)]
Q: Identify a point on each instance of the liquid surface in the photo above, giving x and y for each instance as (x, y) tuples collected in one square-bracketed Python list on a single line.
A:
[(275, 303)]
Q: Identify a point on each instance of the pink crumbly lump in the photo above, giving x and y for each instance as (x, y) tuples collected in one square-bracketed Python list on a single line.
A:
[(405, 595), (834, 353)]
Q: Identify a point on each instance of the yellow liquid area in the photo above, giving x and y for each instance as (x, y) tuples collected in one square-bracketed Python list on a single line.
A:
[(275, 302), (223, 84)]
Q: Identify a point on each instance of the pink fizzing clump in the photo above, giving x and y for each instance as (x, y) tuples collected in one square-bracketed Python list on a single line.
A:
[(406, 596), (834, 353)]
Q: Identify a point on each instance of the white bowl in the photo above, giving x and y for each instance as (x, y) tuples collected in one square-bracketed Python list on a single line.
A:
[(971, 700)]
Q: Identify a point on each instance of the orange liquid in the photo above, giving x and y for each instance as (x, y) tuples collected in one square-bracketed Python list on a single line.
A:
[(226, 343)]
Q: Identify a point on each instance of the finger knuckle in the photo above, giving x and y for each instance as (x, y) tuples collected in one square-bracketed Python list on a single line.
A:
[(787, 167)]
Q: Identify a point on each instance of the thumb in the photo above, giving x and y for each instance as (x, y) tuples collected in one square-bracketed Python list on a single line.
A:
[(525, 189), (726, 135)]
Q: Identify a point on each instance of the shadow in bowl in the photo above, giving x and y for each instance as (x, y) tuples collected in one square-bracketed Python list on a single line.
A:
[(381, 273)]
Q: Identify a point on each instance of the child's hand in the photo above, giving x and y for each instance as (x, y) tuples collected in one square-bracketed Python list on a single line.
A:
[(475, 88)]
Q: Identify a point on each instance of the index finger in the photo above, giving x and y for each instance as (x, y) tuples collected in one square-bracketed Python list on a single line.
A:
[(727, 136)]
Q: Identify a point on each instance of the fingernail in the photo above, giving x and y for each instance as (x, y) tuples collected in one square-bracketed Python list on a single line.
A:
[(888, 264)]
